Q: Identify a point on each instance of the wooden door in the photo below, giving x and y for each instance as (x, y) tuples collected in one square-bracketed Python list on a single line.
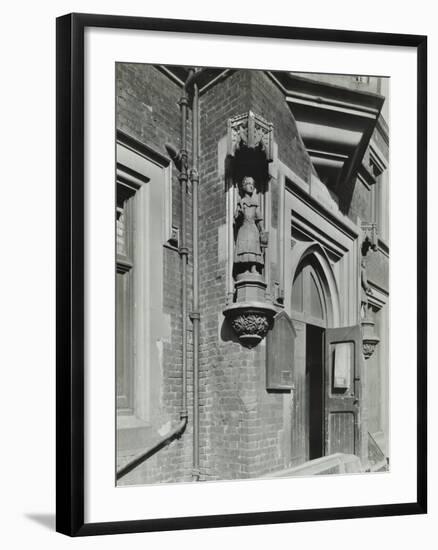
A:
[(342, 390)]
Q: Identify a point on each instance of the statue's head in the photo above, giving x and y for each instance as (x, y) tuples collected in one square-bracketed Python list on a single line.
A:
[(248, 184)]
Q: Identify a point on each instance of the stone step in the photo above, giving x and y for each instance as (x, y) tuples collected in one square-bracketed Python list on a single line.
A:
[(338, 463)]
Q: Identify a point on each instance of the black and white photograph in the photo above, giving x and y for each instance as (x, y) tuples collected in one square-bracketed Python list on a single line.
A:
[(252, 274), (218, 285)]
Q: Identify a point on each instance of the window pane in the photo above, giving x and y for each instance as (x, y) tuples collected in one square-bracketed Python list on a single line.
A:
[(342, 357)]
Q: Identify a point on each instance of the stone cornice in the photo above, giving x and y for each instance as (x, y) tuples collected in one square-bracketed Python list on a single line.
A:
[(327, 95)]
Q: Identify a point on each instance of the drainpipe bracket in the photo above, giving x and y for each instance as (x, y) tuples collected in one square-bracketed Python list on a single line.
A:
[(194, 175), (195, 315)]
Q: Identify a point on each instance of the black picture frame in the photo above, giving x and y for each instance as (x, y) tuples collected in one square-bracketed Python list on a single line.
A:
[(70, 273)]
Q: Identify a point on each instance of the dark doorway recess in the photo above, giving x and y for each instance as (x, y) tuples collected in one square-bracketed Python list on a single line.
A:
[(314, 390)]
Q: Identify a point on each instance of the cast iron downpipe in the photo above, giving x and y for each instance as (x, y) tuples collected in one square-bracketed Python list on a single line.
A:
[(183, 249), (181, 162), (195, 315), (191, 85)]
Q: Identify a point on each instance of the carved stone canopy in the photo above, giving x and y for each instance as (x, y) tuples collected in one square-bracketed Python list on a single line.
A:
[(250, 149), (251, 131), (370, 237)]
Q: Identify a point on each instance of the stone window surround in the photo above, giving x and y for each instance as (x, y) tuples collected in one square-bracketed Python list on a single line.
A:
[(151, 175)]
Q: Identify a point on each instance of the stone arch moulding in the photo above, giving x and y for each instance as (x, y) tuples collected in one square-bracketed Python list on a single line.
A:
[(302, 251)]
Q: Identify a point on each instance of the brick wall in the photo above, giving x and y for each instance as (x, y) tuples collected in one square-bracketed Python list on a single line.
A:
[(148, 110), (241, 424)]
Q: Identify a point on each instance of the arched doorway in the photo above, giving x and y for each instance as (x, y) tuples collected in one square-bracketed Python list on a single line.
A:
[(310, 312), (309, 302), (315, 295), (326, 363)]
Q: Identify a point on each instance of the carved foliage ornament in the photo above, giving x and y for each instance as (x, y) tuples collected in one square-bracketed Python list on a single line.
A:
[(250, 322), (250, 327), (369, 337), (368, 348)]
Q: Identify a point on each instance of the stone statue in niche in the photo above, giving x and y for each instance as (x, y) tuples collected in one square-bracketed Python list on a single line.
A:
[(251, 238), (249, 309)]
